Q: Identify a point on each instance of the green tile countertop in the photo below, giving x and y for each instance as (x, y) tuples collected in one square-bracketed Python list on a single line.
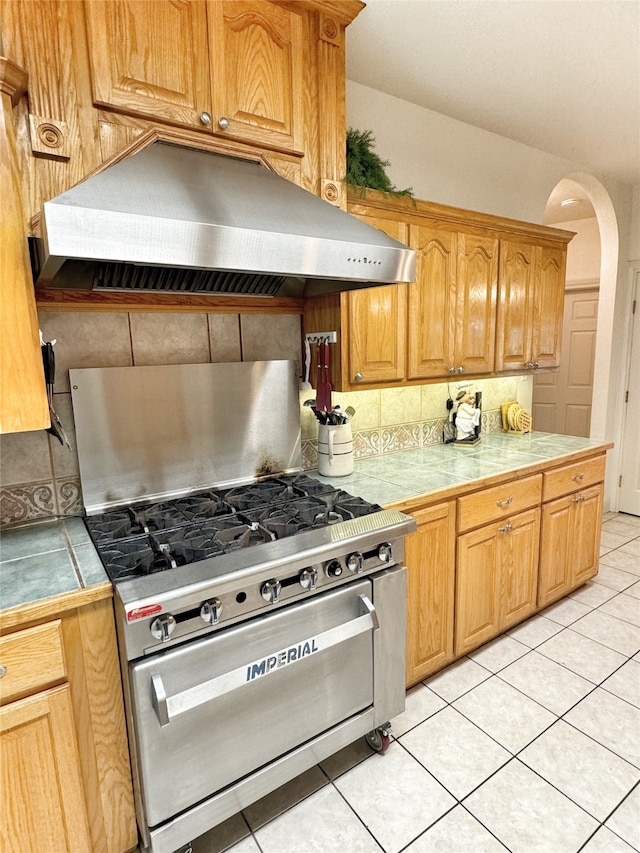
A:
[(47, 559), (408, 475)]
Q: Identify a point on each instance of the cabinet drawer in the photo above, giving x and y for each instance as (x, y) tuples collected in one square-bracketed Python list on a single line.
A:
[(498, 502), (32, 659), (569, 478)]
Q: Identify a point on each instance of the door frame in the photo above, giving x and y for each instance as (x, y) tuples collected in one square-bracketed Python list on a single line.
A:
[(633, 294)]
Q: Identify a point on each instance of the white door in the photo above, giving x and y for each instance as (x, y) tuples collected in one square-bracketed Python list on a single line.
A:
[(562, 398), (630, 453)]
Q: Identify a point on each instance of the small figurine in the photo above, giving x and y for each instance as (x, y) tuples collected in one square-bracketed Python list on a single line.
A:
[(467, 417)]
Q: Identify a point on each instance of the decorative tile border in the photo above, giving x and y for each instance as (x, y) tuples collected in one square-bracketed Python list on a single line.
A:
[(50, 498), (376, 442), (69, 496), (27, 502)]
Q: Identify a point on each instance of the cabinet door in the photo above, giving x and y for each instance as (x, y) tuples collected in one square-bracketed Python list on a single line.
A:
[(587, 527), (518, 558), (550, 265), (515, 306), (257, 71), (150, 58), (570, 543), (476, 293), (430, 558), (556, 554), (41, 794), (432, 302), (23, 397), (377, 334), (377, 323), (477, 589)]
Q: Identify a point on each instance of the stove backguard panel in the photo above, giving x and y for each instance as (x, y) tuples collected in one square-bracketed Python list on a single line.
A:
[(144, 433)]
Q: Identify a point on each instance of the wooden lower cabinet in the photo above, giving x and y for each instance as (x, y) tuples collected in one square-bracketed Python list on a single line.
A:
[(430, 558), (484, 559), (65, 776), (570, 543), (42, 799), (496, 583)]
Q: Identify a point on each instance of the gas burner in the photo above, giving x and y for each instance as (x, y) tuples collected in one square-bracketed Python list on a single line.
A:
[(148, 538), (349, 506), (206, 505), (261, 493), (133, 557)]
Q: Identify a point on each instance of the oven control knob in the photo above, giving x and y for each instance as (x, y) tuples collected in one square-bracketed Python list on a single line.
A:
[(355, 562), (271, 590), (333, 569), (211, 610), (308, 578), (385, 552), (163, 627)]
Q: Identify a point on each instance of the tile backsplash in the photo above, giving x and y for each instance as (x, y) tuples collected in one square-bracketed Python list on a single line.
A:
[(40, 478), (402, 418)]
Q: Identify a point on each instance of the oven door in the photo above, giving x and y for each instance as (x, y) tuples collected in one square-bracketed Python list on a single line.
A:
[(211, 711)]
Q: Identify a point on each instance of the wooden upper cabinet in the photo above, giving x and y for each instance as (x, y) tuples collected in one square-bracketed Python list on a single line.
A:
[(548, 305), (257, 72), (530, 306), (476, 293), (150, 58), (23, 397), (515, 306), (377, 323), (232, 67), (377, 317), (432, 302)]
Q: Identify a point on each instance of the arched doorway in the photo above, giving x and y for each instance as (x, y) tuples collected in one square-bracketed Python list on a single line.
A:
[(592, 192), (562, 399)]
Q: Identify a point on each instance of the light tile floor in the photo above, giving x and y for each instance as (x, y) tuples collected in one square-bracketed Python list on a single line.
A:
[(531, 743)]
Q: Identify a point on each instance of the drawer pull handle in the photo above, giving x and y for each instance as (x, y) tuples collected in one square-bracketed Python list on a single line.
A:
[(506, 529), (505, 503), (578, 477), (578, 499), (3, 671)]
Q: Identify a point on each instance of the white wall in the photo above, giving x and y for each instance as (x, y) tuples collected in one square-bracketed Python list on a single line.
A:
[(450, 162), (583, 252)]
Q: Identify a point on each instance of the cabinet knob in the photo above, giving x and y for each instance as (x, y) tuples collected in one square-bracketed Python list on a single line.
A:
[(223, 122), (452, 370), (358, 377), (3, 671), (578, 499), (506, 529), (205, 118), (530, 365), (461, 369)]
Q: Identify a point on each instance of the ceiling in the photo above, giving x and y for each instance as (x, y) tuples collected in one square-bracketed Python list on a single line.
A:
[(562, 76)]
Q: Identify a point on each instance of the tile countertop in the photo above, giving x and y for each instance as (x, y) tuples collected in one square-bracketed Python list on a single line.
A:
[(50, 566), (52, 561), (409, 476)]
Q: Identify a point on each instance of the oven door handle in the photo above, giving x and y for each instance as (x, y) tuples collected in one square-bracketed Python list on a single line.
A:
[(167, 708)]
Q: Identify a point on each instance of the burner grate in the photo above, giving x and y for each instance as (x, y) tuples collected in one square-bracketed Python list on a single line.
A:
[(140, 540)]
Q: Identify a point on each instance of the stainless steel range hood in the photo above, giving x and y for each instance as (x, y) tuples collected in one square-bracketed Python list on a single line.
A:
[(181, 219)]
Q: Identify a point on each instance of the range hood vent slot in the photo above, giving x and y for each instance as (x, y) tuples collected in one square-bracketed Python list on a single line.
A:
[(135, 277)]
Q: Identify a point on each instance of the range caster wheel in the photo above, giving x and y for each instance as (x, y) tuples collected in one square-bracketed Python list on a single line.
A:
[(379, 739)]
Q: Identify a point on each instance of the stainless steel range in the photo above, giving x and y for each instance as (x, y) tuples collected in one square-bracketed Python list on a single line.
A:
[(260, 613)]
